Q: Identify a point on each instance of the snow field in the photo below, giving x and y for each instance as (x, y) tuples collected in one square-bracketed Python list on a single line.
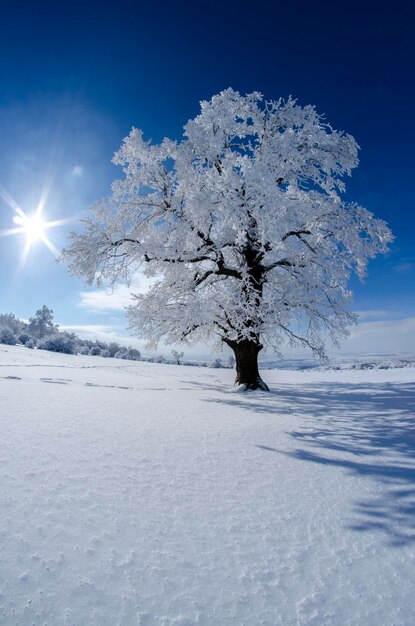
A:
[(145, 494)]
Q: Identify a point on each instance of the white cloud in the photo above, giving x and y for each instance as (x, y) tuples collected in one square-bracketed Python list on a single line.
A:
[(115, 299), (377, 314), (105, 332), (394, 336), (385, 327), (106, 300), (405, 267), (77, 171)]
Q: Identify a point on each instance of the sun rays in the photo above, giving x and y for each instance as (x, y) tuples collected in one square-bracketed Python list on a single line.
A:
[(32, 225)]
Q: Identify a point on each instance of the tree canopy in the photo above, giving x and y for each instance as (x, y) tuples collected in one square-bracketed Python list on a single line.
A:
[(241, 227)]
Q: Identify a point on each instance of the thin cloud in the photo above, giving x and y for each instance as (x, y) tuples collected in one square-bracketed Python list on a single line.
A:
[(385, 327), (77, 171), (106, 300), (394, 336), (406, 267), (377, 314), (105, 332), (116, 299)]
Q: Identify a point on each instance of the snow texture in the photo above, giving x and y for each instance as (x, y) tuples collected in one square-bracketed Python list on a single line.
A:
[(141, 494)]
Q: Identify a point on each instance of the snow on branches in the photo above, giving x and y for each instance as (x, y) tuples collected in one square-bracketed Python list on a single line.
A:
[(240, 224)]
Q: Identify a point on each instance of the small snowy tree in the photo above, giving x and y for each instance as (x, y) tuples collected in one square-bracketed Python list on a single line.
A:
[(241, 226), (41, 324), (177, 356)]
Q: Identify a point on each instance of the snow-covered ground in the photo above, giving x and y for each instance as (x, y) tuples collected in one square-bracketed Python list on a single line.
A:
[(138, 493)]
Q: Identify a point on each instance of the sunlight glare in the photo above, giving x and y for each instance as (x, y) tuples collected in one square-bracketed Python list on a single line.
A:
[(33, 226)]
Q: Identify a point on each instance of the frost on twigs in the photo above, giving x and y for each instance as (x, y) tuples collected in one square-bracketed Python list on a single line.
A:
[(241, 227)]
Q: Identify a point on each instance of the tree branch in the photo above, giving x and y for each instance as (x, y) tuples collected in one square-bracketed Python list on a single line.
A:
[(298, 233), (281, 263)]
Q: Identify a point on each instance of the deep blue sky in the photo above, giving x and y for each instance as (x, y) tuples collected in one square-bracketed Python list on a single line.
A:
[(75, 78)]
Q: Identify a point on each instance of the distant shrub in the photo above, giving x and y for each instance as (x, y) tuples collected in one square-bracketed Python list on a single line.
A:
[(216, 363), (59, 343), (133, 354), (24, 338), (121, 354), (30, 343), (82, 348), (95, 351), (7, 337), (130, 354), (159, 359), (106, 354), (114, 348)]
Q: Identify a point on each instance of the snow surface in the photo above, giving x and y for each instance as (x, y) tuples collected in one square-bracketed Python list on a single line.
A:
[(148, 494)]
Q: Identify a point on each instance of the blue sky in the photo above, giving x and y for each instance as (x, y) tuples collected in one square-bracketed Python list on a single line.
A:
[(75, 77)]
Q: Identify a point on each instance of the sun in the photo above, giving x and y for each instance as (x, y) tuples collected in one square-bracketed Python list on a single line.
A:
[(32, 225)]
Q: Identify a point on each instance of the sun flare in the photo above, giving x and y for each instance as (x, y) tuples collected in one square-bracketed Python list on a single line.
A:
[(32, 225)]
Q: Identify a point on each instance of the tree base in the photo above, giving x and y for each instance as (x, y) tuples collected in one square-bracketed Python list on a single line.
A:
[(246, 357), (257, 385)]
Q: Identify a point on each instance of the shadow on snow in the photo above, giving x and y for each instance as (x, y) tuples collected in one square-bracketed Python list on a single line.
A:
[(366, 429)]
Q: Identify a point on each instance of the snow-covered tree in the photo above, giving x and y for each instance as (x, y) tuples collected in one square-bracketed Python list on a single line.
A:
[(177, 356), (7, 337), (41, 324), (9, 320), (59, 342), (241, 227), (130, 354)]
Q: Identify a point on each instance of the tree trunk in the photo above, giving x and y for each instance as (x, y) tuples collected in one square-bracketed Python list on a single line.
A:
[(246, 356)]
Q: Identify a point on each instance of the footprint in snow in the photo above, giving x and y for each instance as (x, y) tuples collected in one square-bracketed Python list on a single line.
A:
[(154, 388), (11, 377), (106, 386)]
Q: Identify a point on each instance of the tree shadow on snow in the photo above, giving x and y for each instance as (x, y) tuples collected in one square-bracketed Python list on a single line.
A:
[(366, 429)]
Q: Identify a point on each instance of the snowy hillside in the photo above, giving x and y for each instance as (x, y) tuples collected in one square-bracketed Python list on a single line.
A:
[(146, 494)]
